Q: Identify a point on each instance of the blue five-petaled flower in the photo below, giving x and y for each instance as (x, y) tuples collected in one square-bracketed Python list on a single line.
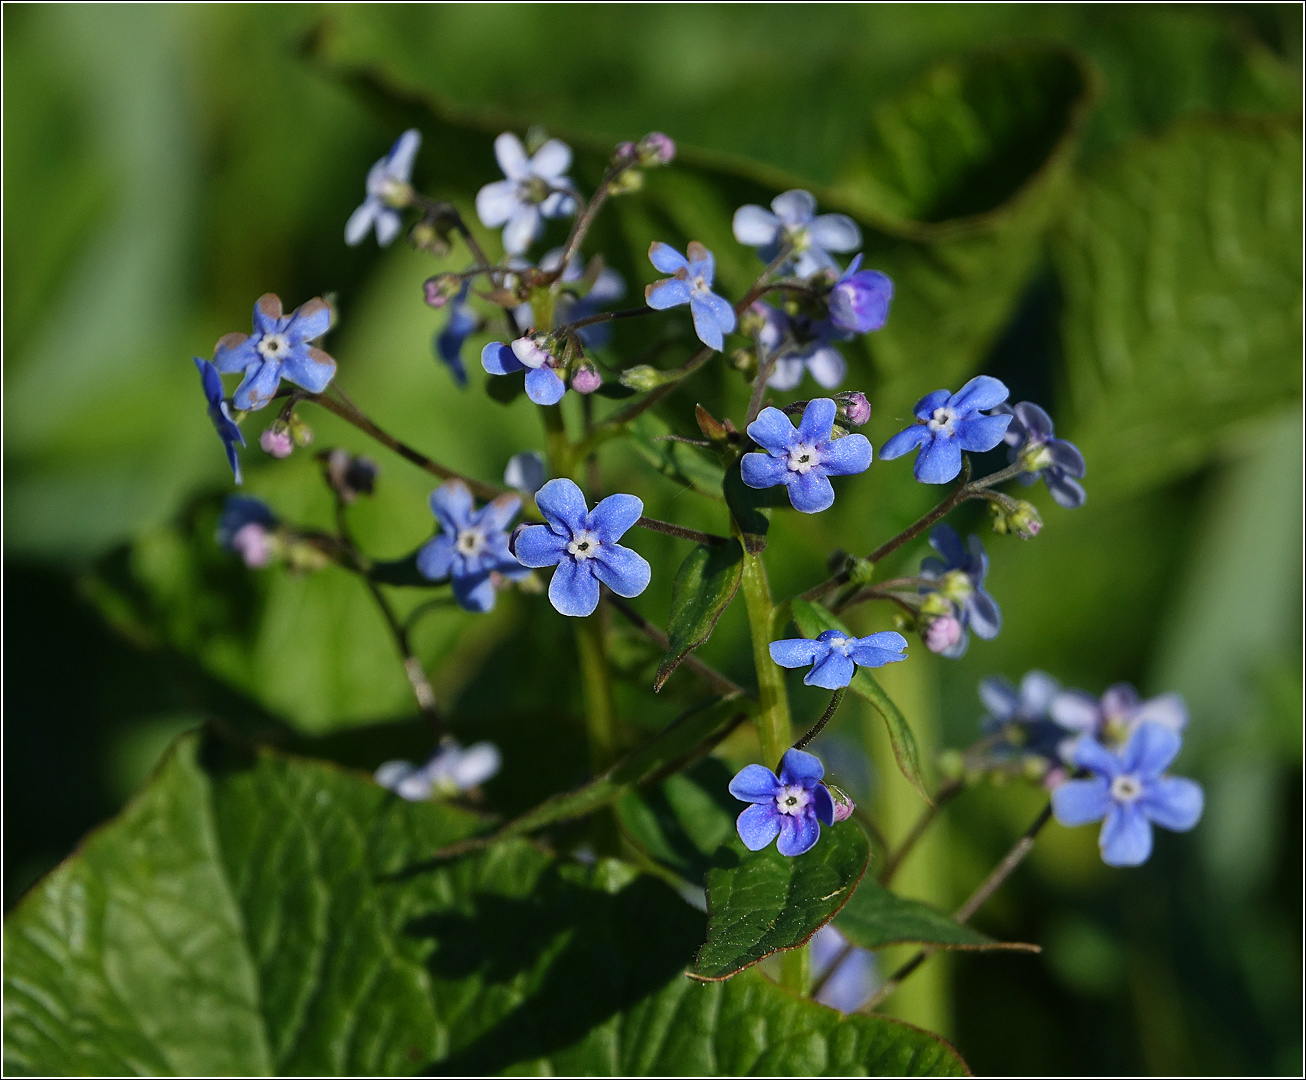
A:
[(1031, 443), (1130, 791), (226, 427), (582, 543), (792, 221), (472, 546), (536, 188), (530, 353), (958, 579), (279, 348), (803, 458), (946, 424), (691, 283), (859, 301), (387, 184), (792, 806), (835, 656)]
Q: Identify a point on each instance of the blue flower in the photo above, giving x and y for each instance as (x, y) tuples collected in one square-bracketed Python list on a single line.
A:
[(279, 348), (531, 353), (946, 424), (387, 187), (1118, 714), (1058, 462), (794, 223), (860, 299), (226, 427), (450, 771), (246, 528), (536, 188), (792, 806), (525, 472), (473, 545), (957, 587), (1131, 792), (1023, 716), (691, 284), (849, 986), (583, 545), (798, 343), (803, 458), (834, 656), (463, 323)]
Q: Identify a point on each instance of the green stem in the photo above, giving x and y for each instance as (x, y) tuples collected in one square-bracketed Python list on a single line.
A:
[(796, 970), (600, 718), (556, 443), (772, 720)]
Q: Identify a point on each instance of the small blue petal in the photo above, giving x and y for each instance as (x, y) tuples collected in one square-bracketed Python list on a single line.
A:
[(832, 673), (665, 258), (773, 431), (847, 456), (754, 784), (817, 424), (498, 359), (763, 470), (937, 462), (823, 805), (979, 433), (798, 833), (539, 546), (435, 559), (810, 492), (797, 652), (1173, 802), (544, 387), (982, 392), (800, 767), (1150, 749), (904, 442), (574, 589), (1081, 802), (667, 294), (563, 504), (625, 572), (758, 825), (1126, 838), (612, 517)]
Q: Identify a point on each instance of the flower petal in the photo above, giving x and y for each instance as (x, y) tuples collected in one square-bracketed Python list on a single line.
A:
[(260, 383), (360, 221), (876, 650), (495, 515), (980, 433), (668, 293), (937, 462), (758, 825), (800, 767), (551, 160), (310, 320), (798, 832), (982, 392), (1065, 491), (388, 224), (511, 156), (797, 652), (985, 615), (786, 373), (934, 400), (574, 589), (1173, 802), (1150, 749), (763, 471), (1090, 754), (904, 442), (827, 366), (810, 492), (817, 423), (435, 559), (1168, 710), (755, 226), (474, 592), (835, 232), (499, 359), (834, 672), (794, 207), (563, 505), (1081, 802), (773, 431), (717, 309), (399, 162), (665, 258), (310, 368), (522, 229), (1066, 456), (544, 387), (538, 545), (1036, 422), (754, 784), (613, 516), (1075, 710), (847, 456), (1126, 838), (823, 805), (496, 203), (707, 324), (999, 696), (625, 572), (235, 352), (451, 503), (267, 313)]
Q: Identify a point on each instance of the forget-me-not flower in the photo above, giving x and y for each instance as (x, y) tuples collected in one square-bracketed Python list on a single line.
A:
[(226, 427), (279, 348), (1112, 718), (957, 586), (793, 221), (533, 354), (859, 301), (835, 656), (536, 188), (387, 187), (582, 543), (946, 424), (1023, 715), (246, 527), (691, 284), (792, 806), (1131, 792), (1058, 462), (850, 985), (798, 344), (463, 322), (451, 770), (803, 458), (473, 545)]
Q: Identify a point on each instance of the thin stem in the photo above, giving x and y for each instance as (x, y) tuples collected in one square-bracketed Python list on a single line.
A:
[(604, 316), (412, 666), (772, 720), (764, 370), (586, 218), (600, 711), (973, 903), (942, 797), (1009, 473), (717, 682), (796, 970), (654, 525), (832, 967), (830, 710)]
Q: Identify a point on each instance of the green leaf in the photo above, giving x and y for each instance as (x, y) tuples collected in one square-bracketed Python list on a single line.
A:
[(682, 821), (874, 917), (1181, 265), (251, 913), (811, 619), (691, 466), (705, 584), (749, 507), (761, 902)]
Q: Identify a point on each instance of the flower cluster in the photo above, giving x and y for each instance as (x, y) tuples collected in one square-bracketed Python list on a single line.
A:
[(471, 551)]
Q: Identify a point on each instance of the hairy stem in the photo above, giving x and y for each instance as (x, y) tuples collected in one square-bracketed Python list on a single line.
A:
[(796, 970), (830, 710), (654, 525), (772, 720)]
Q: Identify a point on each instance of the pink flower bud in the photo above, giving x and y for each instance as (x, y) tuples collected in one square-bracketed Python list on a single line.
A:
[(843, 803), (942, 634), (586, 380), (254, 544), (276, 441), (1055, 777), (655, 148), (854, 407)]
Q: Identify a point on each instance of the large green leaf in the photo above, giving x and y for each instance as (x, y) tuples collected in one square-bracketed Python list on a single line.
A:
[(760, 902), (1181, 263), (688, 465), (874, 917), (705, 584), (811, 620), (256, 914), (682, 821)]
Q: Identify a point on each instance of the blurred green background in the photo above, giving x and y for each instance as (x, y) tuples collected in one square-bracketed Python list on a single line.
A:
[(1100, 205)]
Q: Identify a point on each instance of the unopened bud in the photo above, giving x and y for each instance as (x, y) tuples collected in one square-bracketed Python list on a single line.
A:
[(625, 182), (655, 148), (854, 409), (349, 476), (254, 544), (441, 288), (432, 236), (301, 556), (943, 633), (625, 152), (642, 377), (300, 431), (709, 425), (276, 440), (1020, 518), (952, 765), (744, 360), (1033, 767), (843, 803), (536, 136), (1055, 777), (587, 378)]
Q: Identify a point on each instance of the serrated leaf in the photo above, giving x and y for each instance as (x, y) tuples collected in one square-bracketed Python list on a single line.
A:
[(874, 917), (691, 466), (251, 913), (761, 902), (811, 619), (704, 586)]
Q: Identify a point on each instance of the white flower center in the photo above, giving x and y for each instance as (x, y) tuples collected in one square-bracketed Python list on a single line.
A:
[(274, 346), (803, 457), (792, 799), (700, 286), (584, 545), (1126, 789), (1035, 456), (798, 237), (470, 542), (942, 420), (839, 644)]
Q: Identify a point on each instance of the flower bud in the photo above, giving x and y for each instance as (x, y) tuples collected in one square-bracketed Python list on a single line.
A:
[(441, 288), (625, 152), (276, 440), (642, 377), (1021, 519), (254, 544), (942, 634), (952, 765), (843, 803), (300, 431), (349, 476), (655, 148), (302, 556), (1055, 777), (626, 182), (744, 360), (586, 379), (860, 302), (854, 409)]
